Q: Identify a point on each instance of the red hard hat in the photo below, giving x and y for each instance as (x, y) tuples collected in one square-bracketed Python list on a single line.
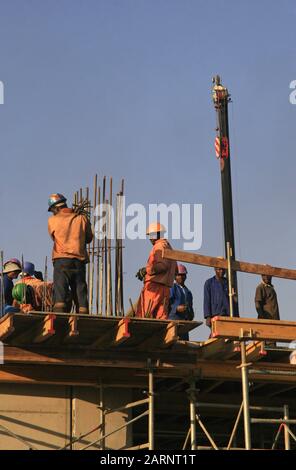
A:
[(181, 269)]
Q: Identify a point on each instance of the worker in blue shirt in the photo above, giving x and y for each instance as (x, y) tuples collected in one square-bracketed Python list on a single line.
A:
[(216, 297), (11, 270), (181, 300)]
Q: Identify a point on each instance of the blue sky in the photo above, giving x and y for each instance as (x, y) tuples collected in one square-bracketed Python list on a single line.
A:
[(122, 88)]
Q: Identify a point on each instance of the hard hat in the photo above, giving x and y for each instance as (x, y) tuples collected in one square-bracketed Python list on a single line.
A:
[(181, 269), (54, 200), (10, 267), (23, 293), (19, 292), (155, 227), (29, 268), (15, 260)]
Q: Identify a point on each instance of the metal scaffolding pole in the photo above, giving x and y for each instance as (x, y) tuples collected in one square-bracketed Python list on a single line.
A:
[(286, 432), (102, 415), (245, 390), (151, 408), (230, 290), (192, 398)]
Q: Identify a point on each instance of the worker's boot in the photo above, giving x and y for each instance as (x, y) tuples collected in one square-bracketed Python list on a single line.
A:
[(83, 310), (59, 307)]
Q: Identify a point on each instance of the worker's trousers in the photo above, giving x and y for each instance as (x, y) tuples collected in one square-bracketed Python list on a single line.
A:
[(153, 301), (69, 273)]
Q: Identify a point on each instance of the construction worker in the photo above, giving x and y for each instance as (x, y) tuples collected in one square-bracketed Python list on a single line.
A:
[(11, 270), (43, 291), (292, 356), (216, 297), (23, 297), (158, 277), (71, 232), (181, 300), (266, 299)]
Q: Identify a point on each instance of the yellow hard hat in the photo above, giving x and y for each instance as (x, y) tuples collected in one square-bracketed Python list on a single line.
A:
[(155, 227)]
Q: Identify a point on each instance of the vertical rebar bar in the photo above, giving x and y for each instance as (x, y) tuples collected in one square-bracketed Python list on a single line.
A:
[(104, 244), (99, 255), (245, 390), (121, 228), (109, 290), (92, 267), (44, 290)]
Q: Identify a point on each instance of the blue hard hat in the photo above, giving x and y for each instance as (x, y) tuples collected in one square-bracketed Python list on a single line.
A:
[(29, 268)]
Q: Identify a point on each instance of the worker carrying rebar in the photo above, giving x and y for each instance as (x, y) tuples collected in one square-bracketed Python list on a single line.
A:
[(266, 299), (71, 232), (216, 297), (11, 270), (181, 299), (158, 277)]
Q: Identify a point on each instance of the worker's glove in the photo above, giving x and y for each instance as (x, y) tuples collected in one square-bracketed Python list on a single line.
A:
[(209, 322), (141, 274)]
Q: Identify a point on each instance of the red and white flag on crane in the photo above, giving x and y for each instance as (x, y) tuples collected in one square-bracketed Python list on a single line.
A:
[(221, 147)]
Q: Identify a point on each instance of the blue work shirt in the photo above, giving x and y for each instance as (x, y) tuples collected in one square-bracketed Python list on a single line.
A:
[(8, 286), (216, 299), (180, 296)]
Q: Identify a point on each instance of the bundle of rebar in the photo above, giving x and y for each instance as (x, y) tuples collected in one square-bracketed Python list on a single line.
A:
[(105, 252)]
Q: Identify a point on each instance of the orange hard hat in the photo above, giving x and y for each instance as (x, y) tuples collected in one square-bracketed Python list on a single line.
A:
[(155, 227)]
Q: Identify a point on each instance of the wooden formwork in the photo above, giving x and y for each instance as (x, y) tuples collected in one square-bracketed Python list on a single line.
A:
[(68, 350)]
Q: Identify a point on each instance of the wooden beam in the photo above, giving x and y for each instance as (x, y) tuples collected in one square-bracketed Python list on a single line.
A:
[(6, 327), (102, 340), (45, 330), (73, 332), (242, 266), (42, 329), (217, 348), (170, 335), (255, 351), (253, 329), (122, 332)]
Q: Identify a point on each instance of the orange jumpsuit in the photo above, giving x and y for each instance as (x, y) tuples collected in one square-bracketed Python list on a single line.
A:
[(160, 275)]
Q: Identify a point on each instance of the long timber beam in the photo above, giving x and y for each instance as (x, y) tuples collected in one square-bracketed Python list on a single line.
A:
[(23, 366), (242, 266), (253, 329)]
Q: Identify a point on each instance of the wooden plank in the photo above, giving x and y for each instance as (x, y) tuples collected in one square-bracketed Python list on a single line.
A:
[(122, 333), (45, 330), (255, 351), (73, 332), (217, 348), (42, 329), (61, 375), (170, 335), (102, 340), (6, 327), (242, 266), (253, 329)]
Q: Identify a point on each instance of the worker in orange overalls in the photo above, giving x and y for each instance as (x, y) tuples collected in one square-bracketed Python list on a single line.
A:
[(158, 277)]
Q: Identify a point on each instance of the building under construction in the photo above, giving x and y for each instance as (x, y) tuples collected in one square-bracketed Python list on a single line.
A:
[(112, 381)]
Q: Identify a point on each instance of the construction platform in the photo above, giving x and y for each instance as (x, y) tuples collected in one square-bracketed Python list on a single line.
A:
[(83, 381)]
